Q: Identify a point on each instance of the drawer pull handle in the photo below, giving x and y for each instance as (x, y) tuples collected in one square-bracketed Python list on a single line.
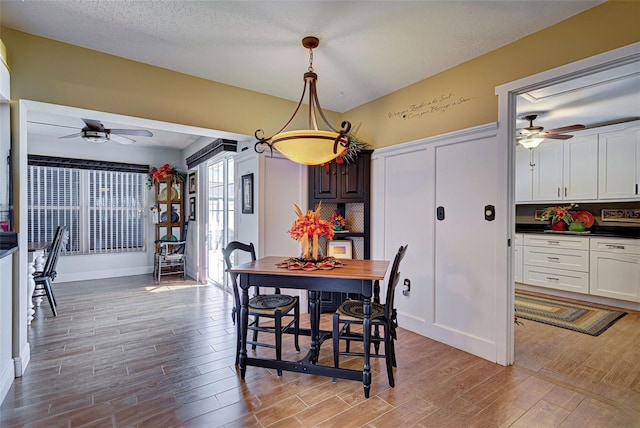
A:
[(553, 259), (550, 278), (615, 247), (553, 242)]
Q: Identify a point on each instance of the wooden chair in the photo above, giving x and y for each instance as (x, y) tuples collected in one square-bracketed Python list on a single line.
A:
[(171, 258), (351, 313), (43, 279), (274, 306)]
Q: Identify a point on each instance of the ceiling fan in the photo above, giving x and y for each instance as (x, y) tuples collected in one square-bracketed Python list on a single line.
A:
[(533, 135), (95, 132)]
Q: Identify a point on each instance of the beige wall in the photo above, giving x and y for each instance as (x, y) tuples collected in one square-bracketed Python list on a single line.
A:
[(463, 96), (53, 72)]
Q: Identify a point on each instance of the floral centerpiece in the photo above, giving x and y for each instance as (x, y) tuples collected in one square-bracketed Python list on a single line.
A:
[(338, 222), (307, 229), (164, 172), (560, 217)]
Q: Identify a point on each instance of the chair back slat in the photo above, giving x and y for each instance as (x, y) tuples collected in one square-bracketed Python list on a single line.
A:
[(394, 279), (228, 255), (56, 247)]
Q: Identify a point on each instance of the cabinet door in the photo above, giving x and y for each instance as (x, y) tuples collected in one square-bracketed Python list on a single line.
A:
[(517, 263), (619, 164), (524, 174), (581, 168), (547, 172), (615, 275), (325, 185), (352, 180)]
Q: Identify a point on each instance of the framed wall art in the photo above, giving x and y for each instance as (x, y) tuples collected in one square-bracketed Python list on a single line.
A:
[(340, 249), (192, 208), (247, 194), (192, 183)]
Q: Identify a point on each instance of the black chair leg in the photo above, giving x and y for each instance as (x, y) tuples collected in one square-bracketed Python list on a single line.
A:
[(296, 325), (278, 333), (388, 349), (255, 332), (336, 341), (47, 290)]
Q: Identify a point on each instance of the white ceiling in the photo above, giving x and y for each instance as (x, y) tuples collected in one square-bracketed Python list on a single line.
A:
[(367, 48)]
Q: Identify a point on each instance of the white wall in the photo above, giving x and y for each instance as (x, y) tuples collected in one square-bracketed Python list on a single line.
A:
[(83, 267)]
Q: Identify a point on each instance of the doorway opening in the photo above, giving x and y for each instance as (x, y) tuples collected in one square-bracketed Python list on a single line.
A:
[(220, 216)]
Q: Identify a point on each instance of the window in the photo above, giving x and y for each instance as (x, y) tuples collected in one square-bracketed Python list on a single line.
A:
[(103, 210)]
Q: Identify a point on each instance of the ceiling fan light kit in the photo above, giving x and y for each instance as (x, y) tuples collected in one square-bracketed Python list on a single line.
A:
[(311, 146), (96, 137), (531, 136)]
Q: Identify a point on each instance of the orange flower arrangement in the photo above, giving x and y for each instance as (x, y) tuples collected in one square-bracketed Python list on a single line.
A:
[(307, 226), (558, 214), (163, 172)]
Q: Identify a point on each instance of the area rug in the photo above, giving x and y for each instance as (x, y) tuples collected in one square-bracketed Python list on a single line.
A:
[(581, 317)]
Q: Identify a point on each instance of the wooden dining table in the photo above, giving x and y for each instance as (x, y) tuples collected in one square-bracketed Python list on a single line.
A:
[(356, 276)]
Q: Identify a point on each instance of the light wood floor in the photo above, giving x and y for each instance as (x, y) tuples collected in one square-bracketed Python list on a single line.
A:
[(124, 352)]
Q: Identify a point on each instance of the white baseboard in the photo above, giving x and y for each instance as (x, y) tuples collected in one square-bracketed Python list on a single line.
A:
[(20, 363), (107, 273), (6, 379)]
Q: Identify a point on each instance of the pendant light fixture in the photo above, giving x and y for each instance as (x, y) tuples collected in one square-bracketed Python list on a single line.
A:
[(311, 146)]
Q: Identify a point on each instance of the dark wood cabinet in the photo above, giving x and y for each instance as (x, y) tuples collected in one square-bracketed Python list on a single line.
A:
[(345, 187), (342, 182)]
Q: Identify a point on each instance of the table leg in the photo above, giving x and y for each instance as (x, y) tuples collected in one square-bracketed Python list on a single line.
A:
[(243, 318), (366, 332), (314, 321), (31, 285)]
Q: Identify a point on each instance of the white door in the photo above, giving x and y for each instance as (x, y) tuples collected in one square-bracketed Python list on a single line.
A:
[(451, 264)]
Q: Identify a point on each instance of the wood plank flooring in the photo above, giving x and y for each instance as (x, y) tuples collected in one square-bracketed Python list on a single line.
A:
[(124, 352)]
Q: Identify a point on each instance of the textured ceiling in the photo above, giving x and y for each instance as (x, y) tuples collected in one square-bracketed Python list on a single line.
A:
[(367, 48)]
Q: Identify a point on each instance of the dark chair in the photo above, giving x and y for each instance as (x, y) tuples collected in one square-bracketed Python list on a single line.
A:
[(351, 312), (171, 258), (273, 306), (43, 279)]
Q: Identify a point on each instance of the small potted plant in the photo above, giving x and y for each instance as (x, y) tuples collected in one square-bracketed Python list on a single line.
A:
[(560, 217)]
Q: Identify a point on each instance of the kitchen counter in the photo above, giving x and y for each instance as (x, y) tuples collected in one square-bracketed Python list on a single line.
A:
[(8, 243), (595, 231)]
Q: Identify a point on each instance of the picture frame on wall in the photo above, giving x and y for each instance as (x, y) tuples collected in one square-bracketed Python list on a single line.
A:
[(192, 208), (192, 183), (340, 249), (247, 194)]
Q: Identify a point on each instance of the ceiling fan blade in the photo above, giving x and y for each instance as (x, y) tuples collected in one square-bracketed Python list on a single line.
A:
[(94, 125), (77, 134), (557, 136), (120, 139), (562, 129), (138, 132), (612, 122)]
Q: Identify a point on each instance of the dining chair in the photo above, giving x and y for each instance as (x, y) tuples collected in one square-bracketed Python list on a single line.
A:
[(351, 312), (272, 306), (171, 257), (43, 279)]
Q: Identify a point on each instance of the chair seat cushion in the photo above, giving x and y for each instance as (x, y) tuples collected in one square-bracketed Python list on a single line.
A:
[(270, 301), (354, 308)]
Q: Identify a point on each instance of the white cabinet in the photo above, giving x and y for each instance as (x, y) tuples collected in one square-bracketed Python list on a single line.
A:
[(524, 174), (547, 171), (580, 172), (615, 268), (559, 262), (518, 258), (619, 164)]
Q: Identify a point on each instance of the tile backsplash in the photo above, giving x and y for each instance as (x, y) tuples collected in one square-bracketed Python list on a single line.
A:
[(622, 214)]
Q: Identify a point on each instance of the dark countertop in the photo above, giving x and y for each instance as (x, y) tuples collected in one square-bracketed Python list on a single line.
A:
[(8, 243), (595, 230)]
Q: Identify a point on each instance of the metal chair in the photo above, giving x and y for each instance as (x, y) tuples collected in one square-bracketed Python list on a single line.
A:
[(351, 313), (171, 258), (274, 306), (43, 279)]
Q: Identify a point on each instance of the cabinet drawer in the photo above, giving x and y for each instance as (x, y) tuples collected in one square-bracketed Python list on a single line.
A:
[(615, 275), (557, 258), (577, 282), (557, 241), (615, 245)]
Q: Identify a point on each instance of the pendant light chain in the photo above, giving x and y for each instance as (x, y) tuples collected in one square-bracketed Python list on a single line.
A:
[(310, 69)]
